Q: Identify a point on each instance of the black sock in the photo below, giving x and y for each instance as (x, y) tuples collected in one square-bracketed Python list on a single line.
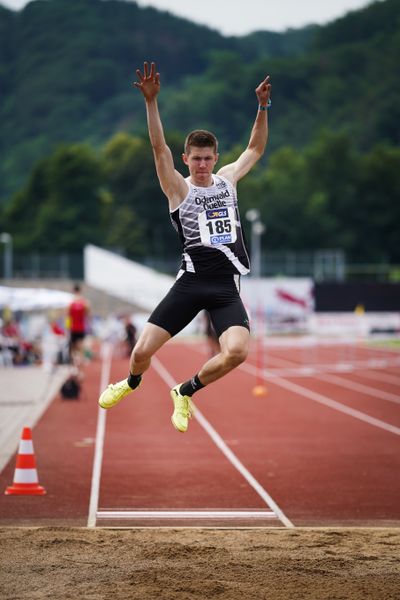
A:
[(134, 380), (190, 387)]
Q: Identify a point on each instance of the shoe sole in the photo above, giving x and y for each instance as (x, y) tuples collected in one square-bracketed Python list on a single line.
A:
[(176, 427), (105, 407), (118, 401), (172, 418), (110, 406)]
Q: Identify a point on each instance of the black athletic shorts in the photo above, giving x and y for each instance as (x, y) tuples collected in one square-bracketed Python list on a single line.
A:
[(76, 336), (192, 293)]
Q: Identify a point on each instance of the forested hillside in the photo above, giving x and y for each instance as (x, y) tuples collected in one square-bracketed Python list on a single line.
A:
[(66, 70), (76, 166)]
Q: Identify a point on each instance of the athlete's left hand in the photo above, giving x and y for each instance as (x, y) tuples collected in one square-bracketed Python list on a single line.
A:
[(263, 91)]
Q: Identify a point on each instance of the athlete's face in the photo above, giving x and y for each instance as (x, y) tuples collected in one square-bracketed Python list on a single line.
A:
[(201, 162)]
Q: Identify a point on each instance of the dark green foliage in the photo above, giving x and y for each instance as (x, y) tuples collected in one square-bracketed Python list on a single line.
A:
[(379, 211), (271, 44), (60, 208), (66, 70), (330, 177), (138, 220), (330, 196), (377, 19)]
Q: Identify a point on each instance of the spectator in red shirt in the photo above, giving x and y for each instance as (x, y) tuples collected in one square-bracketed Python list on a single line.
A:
[(78, 314)]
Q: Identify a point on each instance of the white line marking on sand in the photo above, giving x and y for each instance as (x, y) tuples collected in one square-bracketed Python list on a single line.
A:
[(233, 459), (186, 514)]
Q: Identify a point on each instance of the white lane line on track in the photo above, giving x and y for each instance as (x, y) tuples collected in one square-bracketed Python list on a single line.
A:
[(219, 442), (185, 514), (375, 349), (298, 370), (270, 376), (360, 387), (316, 397), (286, 367), (337, 380), (106, 353), (379, 376)]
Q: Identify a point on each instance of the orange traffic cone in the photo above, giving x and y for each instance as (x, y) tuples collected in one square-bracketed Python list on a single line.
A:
[(26, 480)]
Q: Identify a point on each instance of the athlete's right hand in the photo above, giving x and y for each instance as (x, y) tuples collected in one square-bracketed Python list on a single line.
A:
[(149, 82)]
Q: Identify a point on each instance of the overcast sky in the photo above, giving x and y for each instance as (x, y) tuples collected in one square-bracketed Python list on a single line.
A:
[(238, 17)]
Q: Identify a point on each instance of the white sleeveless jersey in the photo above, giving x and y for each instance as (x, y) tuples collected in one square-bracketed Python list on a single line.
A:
[(208, 224)]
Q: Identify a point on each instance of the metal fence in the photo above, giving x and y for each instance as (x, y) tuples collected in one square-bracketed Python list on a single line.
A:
[(36, 265), (320, 265)]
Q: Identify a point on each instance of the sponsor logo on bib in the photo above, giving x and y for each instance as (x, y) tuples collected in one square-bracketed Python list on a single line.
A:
[(217, 214), (221, 239)]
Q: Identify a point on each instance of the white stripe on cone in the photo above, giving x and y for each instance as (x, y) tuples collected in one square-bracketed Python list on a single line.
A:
[(26, 476), (26, 447)]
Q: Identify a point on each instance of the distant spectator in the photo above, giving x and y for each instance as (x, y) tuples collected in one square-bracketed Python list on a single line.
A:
[(15, 349), (78, 318), (60, 338), (11, 338)]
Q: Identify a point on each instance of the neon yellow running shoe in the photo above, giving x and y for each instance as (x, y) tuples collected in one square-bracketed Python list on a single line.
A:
[(183, 409), (114, 393)]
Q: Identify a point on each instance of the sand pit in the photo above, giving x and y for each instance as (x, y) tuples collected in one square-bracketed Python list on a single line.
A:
[(259, 564)]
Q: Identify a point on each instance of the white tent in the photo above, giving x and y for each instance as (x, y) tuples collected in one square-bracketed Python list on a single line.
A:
[(33, 299)]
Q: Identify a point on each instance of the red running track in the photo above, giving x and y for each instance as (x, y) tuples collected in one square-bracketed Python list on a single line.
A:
[(315, 451)]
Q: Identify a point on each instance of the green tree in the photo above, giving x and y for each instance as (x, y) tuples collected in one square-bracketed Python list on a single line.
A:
[(20, 215), (61, 206), (378, 206), (133, 183), (331, 183)]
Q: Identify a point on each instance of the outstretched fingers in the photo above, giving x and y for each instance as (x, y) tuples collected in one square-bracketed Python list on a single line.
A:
[(146, 75), (155, 76), (148, 80), (151, 74)]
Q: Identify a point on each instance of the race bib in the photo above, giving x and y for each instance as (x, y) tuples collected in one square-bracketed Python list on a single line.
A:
[(217, 226)]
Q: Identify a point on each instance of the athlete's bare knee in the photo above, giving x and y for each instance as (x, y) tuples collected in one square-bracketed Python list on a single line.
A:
[(140, 354), (150, 340), (235, 355)]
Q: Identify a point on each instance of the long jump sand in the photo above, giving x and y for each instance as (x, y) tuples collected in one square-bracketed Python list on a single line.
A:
[(184, 564)]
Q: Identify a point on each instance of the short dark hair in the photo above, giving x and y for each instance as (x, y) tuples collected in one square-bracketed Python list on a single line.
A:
[(201, 139), (77, 288)]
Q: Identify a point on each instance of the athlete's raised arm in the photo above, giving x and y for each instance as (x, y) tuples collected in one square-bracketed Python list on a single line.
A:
[(172, 182), (258, 138)]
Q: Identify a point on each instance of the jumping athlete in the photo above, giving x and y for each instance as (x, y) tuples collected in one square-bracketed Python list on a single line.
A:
[(204, 211)]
